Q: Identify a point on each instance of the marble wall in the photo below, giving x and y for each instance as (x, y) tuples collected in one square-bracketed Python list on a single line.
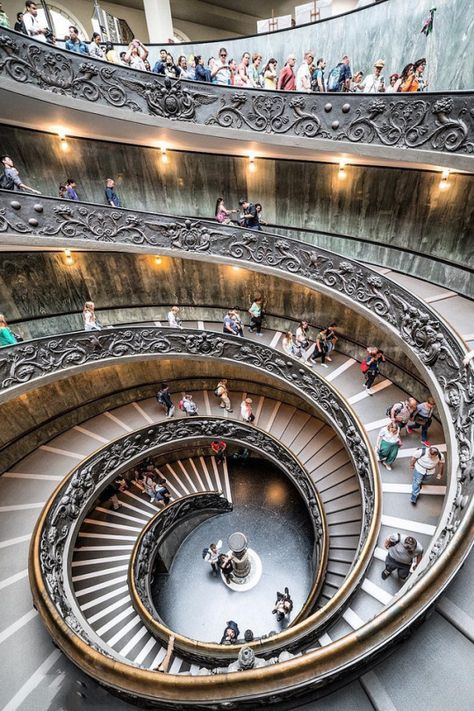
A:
[(41, 295), (388, 30), (394, 207)]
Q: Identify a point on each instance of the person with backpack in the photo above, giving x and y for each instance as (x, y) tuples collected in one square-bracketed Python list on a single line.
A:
[(422, 417), (403, 555), (339, 78), (426, 462), (401, 413), (211, 556), (10, 179), (164, 399), (388, 444), (222, 392), (370, 366), (321, 348), (188, 406)]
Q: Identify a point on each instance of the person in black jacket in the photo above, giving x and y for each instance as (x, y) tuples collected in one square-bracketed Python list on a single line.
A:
[(231, 633), (19, 24)]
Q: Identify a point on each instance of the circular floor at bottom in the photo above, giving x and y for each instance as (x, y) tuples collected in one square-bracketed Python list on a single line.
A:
[(269, 510)]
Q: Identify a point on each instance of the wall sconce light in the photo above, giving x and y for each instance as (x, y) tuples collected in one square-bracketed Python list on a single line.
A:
[(443, 183), (68, 257), (164, 154), (236, 269), (158, 260), (252, 166), (62, 137), (342, 174)]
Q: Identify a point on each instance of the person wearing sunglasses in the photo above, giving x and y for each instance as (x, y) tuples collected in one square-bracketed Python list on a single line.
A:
[(220, 72)]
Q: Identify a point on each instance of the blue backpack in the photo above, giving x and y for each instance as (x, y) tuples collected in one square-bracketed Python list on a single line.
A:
[(334, 79)]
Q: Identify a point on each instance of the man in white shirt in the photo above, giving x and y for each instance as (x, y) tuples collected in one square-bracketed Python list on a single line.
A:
[(426, 462), (212, 556), (31, 22), (374, 83), (303, 75)]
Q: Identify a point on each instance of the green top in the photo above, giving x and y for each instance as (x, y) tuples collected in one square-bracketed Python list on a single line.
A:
[(4, 22), (6, 337)]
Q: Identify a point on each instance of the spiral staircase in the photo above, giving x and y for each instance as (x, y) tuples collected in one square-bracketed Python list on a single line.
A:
[(79, 409)]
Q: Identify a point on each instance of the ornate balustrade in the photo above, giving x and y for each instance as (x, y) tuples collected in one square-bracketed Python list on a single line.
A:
[(57, 530), (424, 336), (432, 123)]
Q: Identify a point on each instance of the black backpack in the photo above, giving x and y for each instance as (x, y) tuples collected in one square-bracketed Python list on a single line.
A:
[(205, 551), (6, 181), (397, 410)]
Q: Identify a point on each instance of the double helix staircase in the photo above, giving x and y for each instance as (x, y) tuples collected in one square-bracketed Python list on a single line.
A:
[(100, 561)]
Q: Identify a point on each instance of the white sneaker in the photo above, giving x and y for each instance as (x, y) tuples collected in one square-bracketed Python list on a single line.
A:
[(387, 466), (324, 365), (171, 412)]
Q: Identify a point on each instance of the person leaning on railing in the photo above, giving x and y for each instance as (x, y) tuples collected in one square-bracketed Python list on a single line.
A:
[(10, 179)]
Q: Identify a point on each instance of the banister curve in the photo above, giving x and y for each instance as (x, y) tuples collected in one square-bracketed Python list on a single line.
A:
[(434, 125), (424, 335), (57, 526)]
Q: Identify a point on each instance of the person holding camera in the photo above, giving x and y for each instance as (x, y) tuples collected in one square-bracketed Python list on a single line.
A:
[(404, 554), (136, 55)]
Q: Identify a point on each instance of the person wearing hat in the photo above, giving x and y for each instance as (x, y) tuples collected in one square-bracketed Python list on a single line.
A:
[(374, 83)]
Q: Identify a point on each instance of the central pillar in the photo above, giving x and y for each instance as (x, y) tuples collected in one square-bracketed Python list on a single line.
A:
[(239, 546), (158, 20)]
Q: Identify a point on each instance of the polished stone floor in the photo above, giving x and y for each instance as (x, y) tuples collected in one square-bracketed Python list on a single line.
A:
[(268, 509)]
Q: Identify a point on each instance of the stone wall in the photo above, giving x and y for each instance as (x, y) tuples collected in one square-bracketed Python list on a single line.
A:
[(399, 208), (389, 30)]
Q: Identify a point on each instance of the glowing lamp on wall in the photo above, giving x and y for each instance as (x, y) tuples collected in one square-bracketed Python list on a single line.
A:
[(164, 154), (342, 173), (68, 258), (443, 183)]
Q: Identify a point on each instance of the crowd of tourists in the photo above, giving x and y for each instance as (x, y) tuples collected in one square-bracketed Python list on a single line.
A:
[(249, 71)]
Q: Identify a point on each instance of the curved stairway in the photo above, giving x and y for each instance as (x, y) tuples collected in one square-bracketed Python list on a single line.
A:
[(27, 486)]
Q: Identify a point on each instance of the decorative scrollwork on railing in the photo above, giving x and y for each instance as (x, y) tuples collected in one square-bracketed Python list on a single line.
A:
[(434, 123), (432, 343), (68, 506)]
